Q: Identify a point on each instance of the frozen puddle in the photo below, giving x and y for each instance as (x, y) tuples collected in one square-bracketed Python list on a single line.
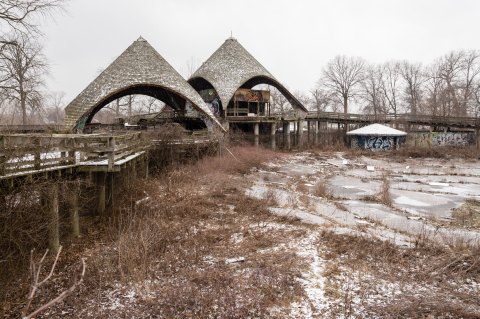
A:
[(420, 191), (404, 200)]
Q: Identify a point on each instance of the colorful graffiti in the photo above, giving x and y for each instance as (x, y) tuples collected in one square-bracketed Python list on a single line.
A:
[(374, 142), (441, 139), (247, 95)]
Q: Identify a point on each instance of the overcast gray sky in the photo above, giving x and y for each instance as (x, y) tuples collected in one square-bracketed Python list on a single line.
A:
[(292, 39)]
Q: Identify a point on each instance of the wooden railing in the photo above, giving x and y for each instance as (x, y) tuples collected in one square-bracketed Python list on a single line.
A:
[(401, 118), (22, 154), (41, 128)]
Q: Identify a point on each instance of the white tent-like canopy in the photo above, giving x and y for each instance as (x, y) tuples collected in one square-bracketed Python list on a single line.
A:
[(377, 130)]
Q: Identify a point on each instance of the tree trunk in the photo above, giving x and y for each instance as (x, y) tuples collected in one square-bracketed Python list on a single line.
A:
[(345, 104), (23, 105)]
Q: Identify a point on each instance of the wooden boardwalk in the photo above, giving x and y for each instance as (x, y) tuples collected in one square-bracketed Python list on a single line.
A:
[(404, 119), (29, 154)]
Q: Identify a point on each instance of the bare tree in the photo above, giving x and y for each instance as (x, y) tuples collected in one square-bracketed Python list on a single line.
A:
[(470, 75), (435, 88), (450, 66), (54, 107), (412, 74), (342, 77), (391, 86), (20, 15), (373, 93), (320, 99), (476, 99), (24, 67), (279, 102), (150, 105), (303, 98)]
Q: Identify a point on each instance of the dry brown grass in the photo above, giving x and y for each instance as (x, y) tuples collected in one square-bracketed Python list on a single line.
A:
[(384, 194), (172, 236), (466, 152), (352, 262), (467, 215), (321, 189)]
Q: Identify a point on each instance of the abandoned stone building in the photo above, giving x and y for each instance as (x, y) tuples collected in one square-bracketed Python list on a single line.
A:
[(218, 93)]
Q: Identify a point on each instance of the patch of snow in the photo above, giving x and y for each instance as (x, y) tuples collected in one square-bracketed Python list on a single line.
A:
[(403, 200)]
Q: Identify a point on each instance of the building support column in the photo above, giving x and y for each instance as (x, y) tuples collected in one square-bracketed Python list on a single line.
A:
[(256, 129)]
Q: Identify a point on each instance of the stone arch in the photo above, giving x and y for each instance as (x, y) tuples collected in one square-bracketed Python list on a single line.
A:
[(173, 99), (232, 67), (261, 79), (140, 68)]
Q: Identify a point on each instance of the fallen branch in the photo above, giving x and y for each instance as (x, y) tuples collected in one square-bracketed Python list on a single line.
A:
[(36, 284)]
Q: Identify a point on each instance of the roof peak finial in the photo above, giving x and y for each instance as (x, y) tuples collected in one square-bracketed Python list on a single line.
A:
[(231, 36), (140, 38)]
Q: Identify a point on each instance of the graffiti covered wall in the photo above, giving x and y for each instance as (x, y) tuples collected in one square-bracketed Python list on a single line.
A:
[(428, 139), (374, 142)]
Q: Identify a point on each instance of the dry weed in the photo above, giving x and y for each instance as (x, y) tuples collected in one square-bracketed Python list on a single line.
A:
[(352, 262), (321, 189)]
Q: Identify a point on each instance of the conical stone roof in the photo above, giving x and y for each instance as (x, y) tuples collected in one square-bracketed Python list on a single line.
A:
[(140, 64), (228, 68)]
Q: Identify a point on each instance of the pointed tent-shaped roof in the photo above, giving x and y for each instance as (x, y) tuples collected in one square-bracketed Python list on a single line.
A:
[(232, 66), (377, 130), (140, 65)]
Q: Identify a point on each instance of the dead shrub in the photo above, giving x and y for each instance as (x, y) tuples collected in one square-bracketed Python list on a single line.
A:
[(321, 189), (422, 266), (385, 197)]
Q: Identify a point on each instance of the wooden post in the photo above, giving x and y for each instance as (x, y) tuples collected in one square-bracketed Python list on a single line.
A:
[(74, 218), (51, 208), (110, 190), (36, 155), (287, 135), (134, 169), (477, 138), (101, 192), (146, 168), (111, 154), (256, 129)]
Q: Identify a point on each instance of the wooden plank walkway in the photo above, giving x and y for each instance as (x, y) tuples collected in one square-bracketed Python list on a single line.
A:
[(350, 118), (27, 154)]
